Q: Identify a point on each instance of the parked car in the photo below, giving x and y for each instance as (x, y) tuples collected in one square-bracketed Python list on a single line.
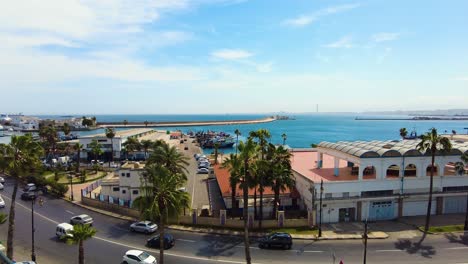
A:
[(2, 180), (81, 219), (2, 187), (204, 165), (203, 171), (282, 240), (25, 262), (144, 227), (63, 230), (2, 202), (153, 242), (196, 156), (27, 196), (138, 256), (30, 187)]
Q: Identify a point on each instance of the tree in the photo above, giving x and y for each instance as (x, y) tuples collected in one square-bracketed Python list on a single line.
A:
[(78, 147), (146, 123), (169, 157), (238, 133), (3, 158), (282, 177), (233, 164), (131, 145), (80, 234), (125, 122), (23, 156), (216, 153), (403, 132), (49, 138), (94, 121), (146, 144), (110, 133), (247, 154), (96, 149), (313, 145), (66, 129), (284, 138), (433, 144), (161, 198)]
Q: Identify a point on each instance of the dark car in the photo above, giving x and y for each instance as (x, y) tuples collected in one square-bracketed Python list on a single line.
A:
[(28, 196), (280, 240), (153, 242)]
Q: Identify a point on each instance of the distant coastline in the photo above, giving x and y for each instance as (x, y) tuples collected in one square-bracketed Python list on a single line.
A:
[(416, 118), (184, 123)]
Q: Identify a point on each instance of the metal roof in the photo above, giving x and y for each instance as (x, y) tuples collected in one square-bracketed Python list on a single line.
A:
[(389, 148)]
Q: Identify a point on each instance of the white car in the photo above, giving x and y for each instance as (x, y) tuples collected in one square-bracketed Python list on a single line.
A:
[(144, 227), (1, 186), (2, 203), (203, 171), (81, 219), (2, 180), (138, 256)]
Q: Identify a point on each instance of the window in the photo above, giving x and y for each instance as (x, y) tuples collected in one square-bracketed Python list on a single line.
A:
[(377, 193), (124, 191), (135, 192), (123, 174), (116, 189), (328, 195), (455, 189), (128, 174), (346, 195)]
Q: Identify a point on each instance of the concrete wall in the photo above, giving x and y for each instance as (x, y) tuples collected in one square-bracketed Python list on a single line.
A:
[(237, 223), (111, 207)]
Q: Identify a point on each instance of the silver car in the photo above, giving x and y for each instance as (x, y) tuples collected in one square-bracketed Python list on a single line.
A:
[(81, 219), (144, 227)]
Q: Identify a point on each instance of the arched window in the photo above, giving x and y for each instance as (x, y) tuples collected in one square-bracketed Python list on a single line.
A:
[(393, 171), (428, 170), (410, 170)]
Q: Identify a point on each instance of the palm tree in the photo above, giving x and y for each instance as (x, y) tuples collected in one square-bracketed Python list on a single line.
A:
[(282, 174), (125, 122), (78, 147), (233, 164), (247, 154), (3, 158), (146, 123), (146, 144), (22, 155), (93, 119), (433, 143), (238, 133), (110, 133), (169, 157), (403, 132), (66, 129), (81, 233), (284, 138), (131, 145), (161, 199), (216, 153)]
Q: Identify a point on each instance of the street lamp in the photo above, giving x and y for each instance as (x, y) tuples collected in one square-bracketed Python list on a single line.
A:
[(71, 186), (321, 194), (365, 242), (33, 201)]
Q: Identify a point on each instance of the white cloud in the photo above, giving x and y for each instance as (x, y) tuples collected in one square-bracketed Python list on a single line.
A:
[(304, 20), (385, 36), (344, 42), (461, 78), (231, 54)]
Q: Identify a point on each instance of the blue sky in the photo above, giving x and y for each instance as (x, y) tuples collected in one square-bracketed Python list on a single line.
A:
[(232, 56)]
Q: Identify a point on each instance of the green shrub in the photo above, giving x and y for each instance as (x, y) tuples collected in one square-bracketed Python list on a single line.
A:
[(58, 189)]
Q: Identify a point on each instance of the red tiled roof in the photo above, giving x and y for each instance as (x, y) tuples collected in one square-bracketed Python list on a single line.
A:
[(222, 175)]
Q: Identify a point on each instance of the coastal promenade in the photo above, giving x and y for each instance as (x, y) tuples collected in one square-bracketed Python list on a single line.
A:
[(185, 124)]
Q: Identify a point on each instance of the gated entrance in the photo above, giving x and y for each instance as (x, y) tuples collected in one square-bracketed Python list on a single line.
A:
[(382, 210)]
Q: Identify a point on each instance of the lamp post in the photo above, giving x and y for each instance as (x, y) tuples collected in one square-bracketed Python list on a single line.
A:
[(71, 186), (33, 201), (365, 242), (321, 194)]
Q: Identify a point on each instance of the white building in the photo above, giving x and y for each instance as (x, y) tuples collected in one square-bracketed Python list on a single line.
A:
[(106, 143), (126, 183), (379, 180)]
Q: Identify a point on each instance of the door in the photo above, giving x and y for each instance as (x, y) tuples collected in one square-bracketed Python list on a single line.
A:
[(454, 205), (382, 210)]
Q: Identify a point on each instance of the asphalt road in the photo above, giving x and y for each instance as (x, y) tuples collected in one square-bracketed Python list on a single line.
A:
[(113, 239)]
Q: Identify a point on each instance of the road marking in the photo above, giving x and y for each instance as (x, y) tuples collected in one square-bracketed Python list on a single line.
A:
[(312, 251), (389, 250), (186, 240), (70, 212), (143, 249), (249, 247), (457, 248)]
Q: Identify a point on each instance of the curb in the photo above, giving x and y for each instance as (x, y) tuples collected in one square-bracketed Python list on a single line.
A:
[(103, 212)]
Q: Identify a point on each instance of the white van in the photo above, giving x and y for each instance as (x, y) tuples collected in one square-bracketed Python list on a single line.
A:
[(64, 230)]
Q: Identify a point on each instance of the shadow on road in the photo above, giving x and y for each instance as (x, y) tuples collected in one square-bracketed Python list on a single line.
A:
[(221, 246), (455, 238), (416, 247)]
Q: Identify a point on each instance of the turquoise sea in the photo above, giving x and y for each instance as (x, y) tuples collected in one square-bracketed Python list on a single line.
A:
[(306, 128)]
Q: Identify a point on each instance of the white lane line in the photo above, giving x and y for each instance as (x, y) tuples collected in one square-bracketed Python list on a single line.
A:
[(186, 240), (70, 212), (312, 251), (389, 250), (143, 249), (457, 248), (244, 247)]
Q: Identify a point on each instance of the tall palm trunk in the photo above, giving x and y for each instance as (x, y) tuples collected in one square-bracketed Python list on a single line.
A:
[(275, 200), (261, 206), (255, 201), (78, 163), (81, 252), (466, 215), (429, 203), (162, 214), (245, 190), (233, 200), (11, 221), (112, 152)]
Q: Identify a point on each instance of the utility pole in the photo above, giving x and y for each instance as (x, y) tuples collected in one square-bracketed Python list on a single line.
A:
[(365, 242), (321, 194)]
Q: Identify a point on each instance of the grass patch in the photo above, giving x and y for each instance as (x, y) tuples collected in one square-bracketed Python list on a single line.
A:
[(89, 178), (443, 229)]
